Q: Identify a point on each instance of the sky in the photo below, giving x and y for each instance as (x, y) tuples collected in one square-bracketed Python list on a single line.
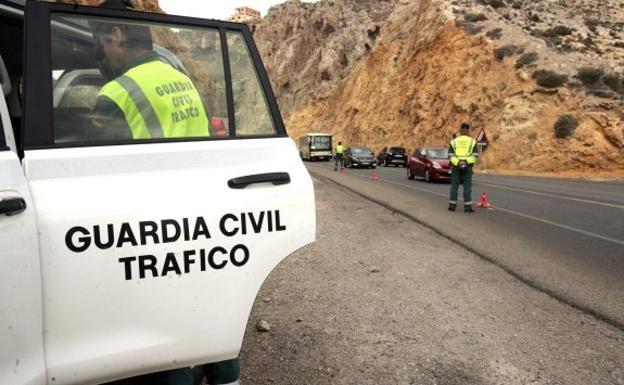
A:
[(214, 9)]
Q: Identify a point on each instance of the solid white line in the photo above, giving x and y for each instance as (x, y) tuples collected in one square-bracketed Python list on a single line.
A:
[(551, 195), (546, 221)]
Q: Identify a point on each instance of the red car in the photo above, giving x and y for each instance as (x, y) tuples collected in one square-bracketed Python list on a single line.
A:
[(430, 163)]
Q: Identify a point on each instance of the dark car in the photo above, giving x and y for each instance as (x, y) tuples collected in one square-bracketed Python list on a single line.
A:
[(392, 156), (430, 163), (359, 157)]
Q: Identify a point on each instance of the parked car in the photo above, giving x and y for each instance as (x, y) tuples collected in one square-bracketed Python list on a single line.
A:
[(359, 157), (430, 163), (392, 156)]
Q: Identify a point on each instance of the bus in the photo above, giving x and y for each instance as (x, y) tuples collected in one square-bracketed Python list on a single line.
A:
[(315, 146)]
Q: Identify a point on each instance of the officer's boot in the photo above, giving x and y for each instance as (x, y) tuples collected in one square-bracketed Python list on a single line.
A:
[(452, 207), (468, 209)]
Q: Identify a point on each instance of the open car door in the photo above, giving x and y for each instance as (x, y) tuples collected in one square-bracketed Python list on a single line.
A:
[(153, 250)]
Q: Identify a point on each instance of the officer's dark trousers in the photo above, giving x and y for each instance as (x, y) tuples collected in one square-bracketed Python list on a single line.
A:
[(461, 175), (339, 161)]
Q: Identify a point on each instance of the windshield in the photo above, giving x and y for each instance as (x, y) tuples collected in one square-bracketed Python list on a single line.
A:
[(437, 153), (361, 151), (397, 150), (320, 143)]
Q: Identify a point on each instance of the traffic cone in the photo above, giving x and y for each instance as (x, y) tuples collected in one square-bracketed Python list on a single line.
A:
[(373, 175), (484, 202)]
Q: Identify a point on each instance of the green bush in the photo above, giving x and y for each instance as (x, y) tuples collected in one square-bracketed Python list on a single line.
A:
[(565, 126), (493, 3), (534, 18), (495, 33), (591, 24), (549, 79), (505, 51), (589, 76), (527, 58), (603, 93), (614, 82), (475, 17), (560, 30)]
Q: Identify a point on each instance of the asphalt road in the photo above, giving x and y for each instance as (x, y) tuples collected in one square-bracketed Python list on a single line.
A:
[(563, 236)]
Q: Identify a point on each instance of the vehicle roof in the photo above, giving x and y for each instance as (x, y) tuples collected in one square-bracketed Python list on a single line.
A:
[(317, 134), (434, 147)]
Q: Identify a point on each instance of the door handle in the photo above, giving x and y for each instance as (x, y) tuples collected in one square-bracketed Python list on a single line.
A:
[(277, 178), (12, 206)]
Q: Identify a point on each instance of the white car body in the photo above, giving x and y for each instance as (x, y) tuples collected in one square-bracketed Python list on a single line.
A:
[(77, 308)]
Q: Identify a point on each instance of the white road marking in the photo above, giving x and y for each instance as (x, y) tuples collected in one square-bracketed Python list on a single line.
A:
[(552, 195), (546, 221)]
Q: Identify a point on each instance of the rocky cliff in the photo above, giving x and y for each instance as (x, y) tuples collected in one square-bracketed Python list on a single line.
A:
[(544, 78), (408, 73)]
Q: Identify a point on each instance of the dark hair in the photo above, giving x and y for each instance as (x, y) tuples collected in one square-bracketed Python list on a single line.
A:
[(137, 36), (465, 126)]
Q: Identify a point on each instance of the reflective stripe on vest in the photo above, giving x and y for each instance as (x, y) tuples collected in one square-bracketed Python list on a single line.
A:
[(158, 101), (339, 149), (463, 148)]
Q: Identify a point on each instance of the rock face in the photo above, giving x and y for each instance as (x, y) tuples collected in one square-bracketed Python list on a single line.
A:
[(407, 73), (310, 48)]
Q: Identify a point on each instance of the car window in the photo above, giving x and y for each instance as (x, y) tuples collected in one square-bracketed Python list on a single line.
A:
[(437, 153), (361, 150), (115, 79), (251, 107), (320, 143), (3, 145), (397, 150)]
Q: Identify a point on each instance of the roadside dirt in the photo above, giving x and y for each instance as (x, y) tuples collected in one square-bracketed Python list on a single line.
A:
[(379, 299)]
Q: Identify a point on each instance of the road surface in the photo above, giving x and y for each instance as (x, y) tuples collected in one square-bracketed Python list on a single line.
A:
[(381, 300), (563, 236)]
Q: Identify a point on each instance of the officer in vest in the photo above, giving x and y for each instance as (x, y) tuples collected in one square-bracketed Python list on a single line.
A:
[(147, 98), (339, 156), (463, 152)]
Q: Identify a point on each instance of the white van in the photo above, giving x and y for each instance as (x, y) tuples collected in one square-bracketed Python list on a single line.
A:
[(120, 257)]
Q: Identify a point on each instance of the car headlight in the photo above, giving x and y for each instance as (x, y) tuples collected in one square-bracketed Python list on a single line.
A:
[(436, 165)]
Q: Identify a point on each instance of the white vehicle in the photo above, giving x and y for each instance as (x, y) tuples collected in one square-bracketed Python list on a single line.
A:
[(315, 146), (125, 257)]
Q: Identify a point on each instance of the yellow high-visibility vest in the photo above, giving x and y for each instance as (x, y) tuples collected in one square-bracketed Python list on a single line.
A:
[(339, 149), (158, 101), (463, 148)]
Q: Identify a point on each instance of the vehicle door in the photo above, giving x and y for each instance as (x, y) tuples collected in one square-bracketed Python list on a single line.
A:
[(21, 323), (416, 162), (153, 250)]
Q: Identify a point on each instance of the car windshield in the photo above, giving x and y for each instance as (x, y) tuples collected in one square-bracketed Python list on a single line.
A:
[(361, 151), (437, 153), (320, 143), (397, 150)]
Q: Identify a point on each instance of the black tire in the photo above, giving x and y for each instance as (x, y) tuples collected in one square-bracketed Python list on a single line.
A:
[(427, 176), (409, 173)]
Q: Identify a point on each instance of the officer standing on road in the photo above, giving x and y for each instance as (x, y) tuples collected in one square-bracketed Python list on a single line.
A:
[(339, 156), (463, 152)]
